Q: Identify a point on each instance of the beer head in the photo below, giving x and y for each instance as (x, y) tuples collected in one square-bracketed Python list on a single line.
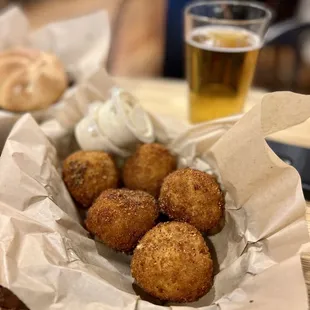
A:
[(221, 38)]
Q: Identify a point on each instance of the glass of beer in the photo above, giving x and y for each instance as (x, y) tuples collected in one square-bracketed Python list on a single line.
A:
[(223, 39)]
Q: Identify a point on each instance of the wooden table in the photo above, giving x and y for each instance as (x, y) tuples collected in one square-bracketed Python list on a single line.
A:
[(169, 97)]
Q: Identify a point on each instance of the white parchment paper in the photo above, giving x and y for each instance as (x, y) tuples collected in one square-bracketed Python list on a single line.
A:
[(82, 44), (48, 261)]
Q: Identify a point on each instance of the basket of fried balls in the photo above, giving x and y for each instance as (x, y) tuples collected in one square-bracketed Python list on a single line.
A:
[(171, 260)]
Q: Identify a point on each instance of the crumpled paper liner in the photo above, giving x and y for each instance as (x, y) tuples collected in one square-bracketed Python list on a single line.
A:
[(49, 262), (82, 44)]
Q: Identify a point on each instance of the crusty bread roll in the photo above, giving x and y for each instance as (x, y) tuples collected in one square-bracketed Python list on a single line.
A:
[(30, 79)]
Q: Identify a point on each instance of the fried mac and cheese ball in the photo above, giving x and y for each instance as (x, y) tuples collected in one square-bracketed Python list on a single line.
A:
[(147, 167), (120, 217), (192, 196), (87, 173), (172, 262)]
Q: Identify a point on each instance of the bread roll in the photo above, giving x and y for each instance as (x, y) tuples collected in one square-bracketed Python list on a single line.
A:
[(30, 80)]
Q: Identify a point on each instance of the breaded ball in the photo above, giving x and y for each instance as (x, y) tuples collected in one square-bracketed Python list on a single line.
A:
[(172, 262), (120, 217), (87, 173), (147, 168), (192, 196)]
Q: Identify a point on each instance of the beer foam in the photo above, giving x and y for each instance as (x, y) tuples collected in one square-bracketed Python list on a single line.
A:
[(255, 42)]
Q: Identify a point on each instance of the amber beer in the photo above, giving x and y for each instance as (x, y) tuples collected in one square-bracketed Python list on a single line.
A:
[(220, 66)]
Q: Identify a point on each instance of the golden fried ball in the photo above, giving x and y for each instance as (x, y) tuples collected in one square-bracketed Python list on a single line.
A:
[(120, 217), (172, 262), (192, 196), (87, 173), (147, 168)]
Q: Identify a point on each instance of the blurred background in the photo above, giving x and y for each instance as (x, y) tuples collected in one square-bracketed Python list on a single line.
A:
[(147, 38)]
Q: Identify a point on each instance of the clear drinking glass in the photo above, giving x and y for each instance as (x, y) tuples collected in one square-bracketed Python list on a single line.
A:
[(222, 41)]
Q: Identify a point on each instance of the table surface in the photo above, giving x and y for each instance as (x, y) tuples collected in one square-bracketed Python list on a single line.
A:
[(169, 97)]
